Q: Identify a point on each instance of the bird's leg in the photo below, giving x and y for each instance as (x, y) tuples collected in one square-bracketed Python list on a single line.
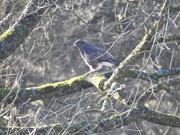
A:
[(94, 69), (91, 70)]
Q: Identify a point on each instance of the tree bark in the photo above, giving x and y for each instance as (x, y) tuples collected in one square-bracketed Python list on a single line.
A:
[(12, 38)]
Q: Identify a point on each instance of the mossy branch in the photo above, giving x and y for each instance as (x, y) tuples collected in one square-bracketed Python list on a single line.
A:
[(57, 89), (76, 84), (168, 39), (117, 120), (12, 38)]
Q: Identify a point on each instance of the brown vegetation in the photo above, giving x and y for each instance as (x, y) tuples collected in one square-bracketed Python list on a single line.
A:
[(42, 88)]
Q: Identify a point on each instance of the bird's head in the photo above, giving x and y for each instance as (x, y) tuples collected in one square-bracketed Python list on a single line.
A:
[(79, 43)]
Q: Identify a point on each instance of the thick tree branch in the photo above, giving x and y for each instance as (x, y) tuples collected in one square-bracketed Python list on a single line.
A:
[(11, 39), (57, 89), (161, 118), (132, 73), (78, 83), (115, 121), (169, 39)]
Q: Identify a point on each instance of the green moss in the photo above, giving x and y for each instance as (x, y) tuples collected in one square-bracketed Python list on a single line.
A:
[(156, 113), (96, 80), (39, 127), (46, 86), (6, 34), (3, 91), (68, 82), (51, 125), (114, 116), (173, 116), (72, 80)]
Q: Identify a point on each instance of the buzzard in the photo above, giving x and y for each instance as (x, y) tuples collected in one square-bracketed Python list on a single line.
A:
[(94, 56)]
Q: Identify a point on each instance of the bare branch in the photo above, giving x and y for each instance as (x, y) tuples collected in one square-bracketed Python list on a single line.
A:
[(171, 90), (115, 121), (144, 45)]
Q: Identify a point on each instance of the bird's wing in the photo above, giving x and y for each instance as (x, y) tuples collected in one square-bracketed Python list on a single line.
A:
[(94, 53)]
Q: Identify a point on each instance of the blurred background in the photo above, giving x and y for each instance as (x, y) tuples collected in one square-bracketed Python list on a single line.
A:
[(48, 56)]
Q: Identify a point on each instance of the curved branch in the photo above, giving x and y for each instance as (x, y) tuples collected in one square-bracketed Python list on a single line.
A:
[(115, 121)]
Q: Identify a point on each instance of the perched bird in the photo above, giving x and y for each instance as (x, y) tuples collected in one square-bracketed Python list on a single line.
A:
[(94, 56)]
